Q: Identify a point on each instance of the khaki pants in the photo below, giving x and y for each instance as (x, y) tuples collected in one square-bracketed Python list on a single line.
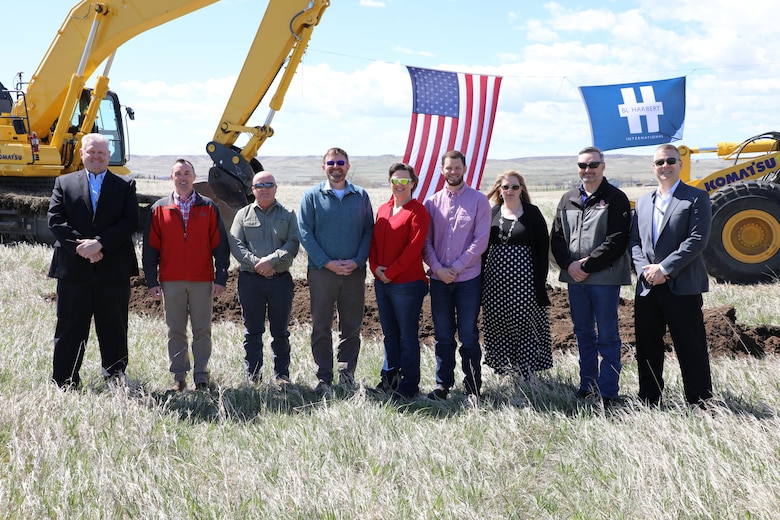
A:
[(180, 300)]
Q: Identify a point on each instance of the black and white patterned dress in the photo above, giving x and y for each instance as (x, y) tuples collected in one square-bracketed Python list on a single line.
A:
[(516, 328)]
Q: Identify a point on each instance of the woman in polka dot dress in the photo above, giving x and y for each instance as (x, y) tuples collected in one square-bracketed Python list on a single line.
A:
[(516, 325)]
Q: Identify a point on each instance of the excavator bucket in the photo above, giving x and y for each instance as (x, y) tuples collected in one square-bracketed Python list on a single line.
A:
[(226, 191)]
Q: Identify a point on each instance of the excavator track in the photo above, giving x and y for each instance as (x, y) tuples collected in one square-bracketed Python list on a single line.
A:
[(23, 206)]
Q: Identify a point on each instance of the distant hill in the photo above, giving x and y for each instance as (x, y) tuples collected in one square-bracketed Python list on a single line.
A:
[(553, 171)]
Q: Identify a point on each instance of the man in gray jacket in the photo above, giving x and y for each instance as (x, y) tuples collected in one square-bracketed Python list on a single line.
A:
[(588, 240)]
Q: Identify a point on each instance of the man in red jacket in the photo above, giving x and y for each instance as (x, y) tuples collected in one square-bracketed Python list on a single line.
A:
[(186, 240)]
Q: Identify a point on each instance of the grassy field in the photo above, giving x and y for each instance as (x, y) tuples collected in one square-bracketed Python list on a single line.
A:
[(241, 451)]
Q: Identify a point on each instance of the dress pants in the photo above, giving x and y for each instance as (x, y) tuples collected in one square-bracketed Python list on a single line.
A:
[(77, 303), (683, 314)]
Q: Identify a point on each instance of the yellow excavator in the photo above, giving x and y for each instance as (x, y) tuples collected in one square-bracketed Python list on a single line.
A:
[(41, 126), (744, 246)]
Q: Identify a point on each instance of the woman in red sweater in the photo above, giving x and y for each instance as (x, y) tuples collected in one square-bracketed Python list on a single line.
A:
[(400, 283)]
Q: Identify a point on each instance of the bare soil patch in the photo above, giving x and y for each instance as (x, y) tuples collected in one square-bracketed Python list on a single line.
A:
[(725, 336)]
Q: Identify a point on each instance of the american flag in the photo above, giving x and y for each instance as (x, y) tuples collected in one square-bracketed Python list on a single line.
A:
[(452, 111)]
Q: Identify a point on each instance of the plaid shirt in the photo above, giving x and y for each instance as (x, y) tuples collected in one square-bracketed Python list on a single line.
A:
[(184, 206)]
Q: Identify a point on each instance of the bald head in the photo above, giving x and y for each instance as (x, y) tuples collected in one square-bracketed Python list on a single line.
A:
[(264, 189)]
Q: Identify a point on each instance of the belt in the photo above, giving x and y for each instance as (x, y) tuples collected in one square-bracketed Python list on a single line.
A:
[(275, 275)]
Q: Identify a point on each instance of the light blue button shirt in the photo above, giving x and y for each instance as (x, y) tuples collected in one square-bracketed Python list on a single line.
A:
[(95, 183)]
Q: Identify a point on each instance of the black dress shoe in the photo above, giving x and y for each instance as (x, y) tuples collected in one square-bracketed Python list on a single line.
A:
[(438, 394), (586, 394)]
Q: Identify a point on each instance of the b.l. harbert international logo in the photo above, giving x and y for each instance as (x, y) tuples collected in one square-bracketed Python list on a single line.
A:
[(634, 110)]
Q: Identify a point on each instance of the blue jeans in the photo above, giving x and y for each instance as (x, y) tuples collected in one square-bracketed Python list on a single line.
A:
[(455, 306), (400, 305), (256, 294), (595, 319)]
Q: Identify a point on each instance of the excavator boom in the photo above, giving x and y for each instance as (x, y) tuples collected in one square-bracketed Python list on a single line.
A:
[(72, 51)]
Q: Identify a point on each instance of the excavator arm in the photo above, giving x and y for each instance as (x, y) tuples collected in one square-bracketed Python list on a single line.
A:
[(282, 37)]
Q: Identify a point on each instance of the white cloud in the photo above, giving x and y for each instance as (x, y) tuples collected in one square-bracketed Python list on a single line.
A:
[(371, 3), (537, 31)]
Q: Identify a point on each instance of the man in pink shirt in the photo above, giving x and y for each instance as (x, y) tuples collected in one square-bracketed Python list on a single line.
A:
[(458, 235)]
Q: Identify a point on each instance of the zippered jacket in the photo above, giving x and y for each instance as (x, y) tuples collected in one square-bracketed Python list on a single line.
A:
[(598, 230), (201, 253)]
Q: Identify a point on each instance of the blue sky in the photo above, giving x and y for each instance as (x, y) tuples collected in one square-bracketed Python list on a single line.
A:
[(353, 90)]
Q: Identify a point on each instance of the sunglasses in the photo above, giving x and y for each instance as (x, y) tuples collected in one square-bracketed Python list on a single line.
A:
[(514, 187), (340, 162), (669, 161), (260, 185), (592, 165), (402, 182)]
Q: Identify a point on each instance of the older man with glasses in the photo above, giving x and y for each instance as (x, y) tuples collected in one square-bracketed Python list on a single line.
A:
[(264, 240), (336, 222), (588, 240)]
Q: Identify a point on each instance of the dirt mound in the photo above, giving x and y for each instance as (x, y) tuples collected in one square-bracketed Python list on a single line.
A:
[(725, 336)]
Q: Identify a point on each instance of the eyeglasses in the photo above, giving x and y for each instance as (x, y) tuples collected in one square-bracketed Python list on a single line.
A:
[(592, 165), (340, 162), (514, 187), (402, 182), (669, 161), (261, 185)]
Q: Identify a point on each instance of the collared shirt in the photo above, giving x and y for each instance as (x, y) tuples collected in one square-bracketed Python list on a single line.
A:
[(583, 194), (660, 205), (271, 234), (459, 232), (95, 184), (184, 206)]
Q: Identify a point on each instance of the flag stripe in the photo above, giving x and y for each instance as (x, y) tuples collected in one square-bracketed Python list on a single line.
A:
[(434, 131)]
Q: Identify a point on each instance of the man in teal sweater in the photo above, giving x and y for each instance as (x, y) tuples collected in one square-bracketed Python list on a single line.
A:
[(335, 221)]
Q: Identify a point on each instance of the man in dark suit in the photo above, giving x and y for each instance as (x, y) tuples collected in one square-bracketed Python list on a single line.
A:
[(671, 227), (93, 214)]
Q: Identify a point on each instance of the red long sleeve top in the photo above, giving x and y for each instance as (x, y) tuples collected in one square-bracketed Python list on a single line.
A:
[(398, 240)]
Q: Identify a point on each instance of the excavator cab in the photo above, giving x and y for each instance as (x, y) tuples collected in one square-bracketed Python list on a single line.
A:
[(108, 122), (7, 117), (6, 101)]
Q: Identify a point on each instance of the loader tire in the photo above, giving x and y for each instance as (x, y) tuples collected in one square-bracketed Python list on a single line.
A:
[(744, 246)]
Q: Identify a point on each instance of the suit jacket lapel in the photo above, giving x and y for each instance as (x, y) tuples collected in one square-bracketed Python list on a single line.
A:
[(670, 209), (105, 191), (646, 226), (86, 195)]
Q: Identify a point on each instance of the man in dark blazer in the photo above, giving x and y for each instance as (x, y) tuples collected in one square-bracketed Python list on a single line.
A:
[(93, 214), (671, 227)]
